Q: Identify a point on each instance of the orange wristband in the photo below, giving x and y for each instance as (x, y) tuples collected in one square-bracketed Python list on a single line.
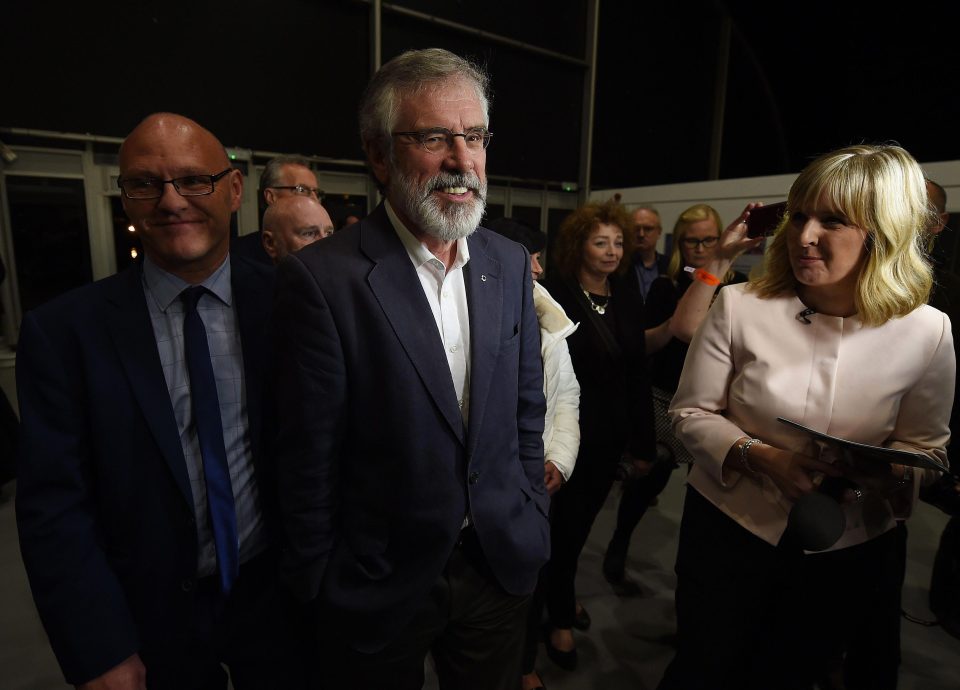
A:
[(702, 276)]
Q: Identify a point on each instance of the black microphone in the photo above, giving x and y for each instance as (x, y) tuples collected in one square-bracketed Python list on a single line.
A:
[(802, 316), (816, 521)]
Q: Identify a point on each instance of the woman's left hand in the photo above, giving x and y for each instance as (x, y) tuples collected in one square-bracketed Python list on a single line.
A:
[(734, 240), (552, 478)]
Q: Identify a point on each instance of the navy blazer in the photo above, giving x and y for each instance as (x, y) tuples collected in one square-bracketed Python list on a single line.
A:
[(376, 467), (104, 507)]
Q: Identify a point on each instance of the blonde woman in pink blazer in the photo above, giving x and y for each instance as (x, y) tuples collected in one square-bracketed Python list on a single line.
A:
[(837, 336)]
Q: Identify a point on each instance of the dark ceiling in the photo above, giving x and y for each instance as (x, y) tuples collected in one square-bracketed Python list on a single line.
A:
[(286, 75)]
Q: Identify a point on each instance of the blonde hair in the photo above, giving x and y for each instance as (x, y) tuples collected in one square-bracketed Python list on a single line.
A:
[(694, 214), (881, 190), (576, 228)]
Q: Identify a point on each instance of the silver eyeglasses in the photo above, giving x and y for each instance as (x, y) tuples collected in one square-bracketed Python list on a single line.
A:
[(152, 187), (302, 190), (440, 139)]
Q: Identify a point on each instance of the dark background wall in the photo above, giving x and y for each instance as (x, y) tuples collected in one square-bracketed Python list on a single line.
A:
[(286, 75)]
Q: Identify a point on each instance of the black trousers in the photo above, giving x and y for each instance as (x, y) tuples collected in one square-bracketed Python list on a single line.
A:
[(532, 635), (255, 633), (574, 509), (472, 628), (637, 496), (751, 615)]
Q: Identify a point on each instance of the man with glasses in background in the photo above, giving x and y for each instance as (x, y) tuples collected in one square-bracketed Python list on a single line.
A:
[(648, 264), (411, 405), (143, 504), (282, 177)]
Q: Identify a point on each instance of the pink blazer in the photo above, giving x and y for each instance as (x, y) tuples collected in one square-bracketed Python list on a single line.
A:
[(752, 360)]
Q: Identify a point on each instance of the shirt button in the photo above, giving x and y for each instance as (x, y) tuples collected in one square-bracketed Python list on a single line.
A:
[(454, 348), (474, 477)]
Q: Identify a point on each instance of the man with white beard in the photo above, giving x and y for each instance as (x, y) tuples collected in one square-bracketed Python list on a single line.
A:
[(409, 380)]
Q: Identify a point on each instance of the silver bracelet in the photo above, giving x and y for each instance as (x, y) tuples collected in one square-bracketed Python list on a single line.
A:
[(744, 448)]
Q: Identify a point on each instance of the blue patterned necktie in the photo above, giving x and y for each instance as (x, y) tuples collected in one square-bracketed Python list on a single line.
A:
[(206, 418)]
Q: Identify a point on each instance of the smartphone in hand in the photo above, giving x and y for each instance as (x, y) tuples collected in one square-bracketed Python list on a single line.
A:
[(763, 220)]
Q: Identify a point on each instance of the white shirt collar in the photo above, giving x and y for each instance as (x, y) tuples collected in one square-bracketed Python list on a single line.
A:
[(417, 250)]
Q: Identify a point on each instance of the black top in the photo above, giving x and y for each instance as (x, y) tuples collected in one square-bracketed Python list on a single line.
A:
[(616, 409), (666, 364)]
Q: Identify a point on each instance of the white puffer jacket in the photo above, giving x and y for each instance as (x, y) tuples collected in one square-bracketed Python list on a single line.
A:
[(561, 430)]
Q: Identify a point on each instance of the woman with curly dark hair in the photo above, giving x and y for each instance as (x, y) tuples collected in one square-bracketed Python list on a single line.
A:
[(616, 412)]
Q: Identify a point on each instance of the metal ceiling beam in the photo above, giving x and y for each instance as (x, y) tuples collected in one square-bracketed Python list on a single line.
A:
[(720, 97), (479, 33), (589, 92)]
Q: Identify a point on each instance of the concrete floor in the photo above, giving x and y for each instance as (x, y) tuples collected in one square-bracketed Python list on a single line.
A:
[(625, 647)]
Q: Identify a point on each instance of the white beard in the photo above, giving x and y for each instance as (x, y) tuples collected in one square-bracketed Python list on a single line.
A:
[(446, 222)]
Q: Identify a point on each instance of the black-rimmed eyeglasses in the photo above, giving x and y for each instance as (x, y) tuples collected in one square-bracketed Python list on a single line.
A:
[(440, 139), (707, 242), (301, 189), (152, 187)]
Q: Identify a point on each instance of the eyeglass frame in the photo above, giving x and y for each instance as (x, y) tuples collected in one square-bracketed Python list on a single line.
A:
[(300, 189), (214, 178), (419, 135), (693, 242)]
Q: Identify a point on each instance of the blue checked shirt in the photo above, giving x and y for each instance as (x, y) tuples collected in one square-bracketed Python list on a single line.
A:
[(219, 317)]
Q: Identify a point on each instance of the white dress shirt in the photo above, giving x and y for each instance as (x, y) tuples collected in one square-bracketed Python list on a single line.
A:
[(446, 293)]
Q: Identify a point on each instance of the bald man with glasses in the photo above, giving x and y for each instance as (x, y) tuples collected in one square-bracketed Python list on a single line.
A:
[(144, 501)]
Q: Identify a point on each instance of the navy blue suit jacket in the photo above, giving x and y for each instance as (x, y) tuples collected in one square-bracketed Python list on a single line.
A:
[(104, 508), (376, 467)]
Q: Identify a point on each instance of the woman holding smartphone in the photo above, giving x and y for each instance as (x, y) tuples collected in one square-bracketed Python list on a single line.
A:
[(697, 244)]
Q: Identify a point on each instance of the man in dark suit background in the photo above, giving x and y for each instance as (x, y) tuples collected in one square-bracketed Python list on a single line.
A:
[(648, 263), (283, 177), (141, 502), (411, 406)]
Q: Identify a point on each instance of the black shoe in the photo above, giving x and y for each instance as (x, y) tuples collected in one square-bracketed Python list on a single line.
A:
[(565, 660), (615, 560), (581, 619)]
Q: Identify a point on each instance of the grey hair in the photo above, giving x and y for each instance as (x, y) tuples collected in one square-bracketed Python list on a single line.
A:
[(410, 73), (271, 172), (646, 207)]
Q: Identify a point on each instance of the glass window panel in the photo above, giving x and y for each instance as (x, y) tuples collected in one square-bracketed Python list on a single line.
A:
[(527, 214), (126, 244), (51, 244), (492, 212), (339, 206)]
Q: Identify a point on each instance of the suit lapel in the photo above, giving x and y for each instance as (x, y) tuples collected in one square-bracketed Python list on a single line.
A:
[(132, 333), (394, 282), (252, 303), (482, 277)]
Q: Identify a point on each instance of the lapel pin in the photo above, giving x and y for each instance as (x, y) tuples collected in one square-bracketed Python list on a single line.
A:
[(483, 278)]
